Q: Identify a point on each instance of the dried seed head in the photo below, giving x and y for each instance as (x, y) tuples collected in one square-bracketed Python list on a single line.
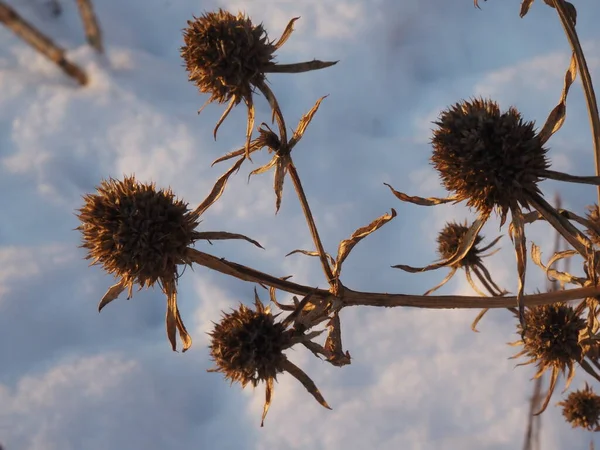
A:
[(247, 346), (582, 409), (593, 215), (552, 336), (449, 240), (226, 55), (489, 158), (136, 232)]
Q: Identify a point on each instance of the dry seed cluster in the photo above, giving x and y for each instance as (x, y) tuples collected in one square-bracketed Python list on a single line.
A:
[(492, 160)]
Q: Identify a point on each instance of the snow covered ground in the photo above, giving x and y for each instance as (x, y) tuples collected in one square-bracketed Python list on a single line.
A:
[(71, 378)]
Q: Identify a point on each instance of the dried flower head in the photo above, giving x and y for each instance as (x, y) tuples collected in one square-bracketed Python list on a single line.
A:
[(489, 158), (227, 56), (449, 240), (140, 235), (551, 340), (247, 347), (136, 232), (582, 409)]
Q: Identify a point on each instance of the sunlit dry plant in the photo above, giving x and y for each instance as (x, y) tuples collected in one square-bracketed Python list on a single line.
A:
[(551, 341), (247, 347), (227, 56), (141, 235), (494, 160), (582, 409)]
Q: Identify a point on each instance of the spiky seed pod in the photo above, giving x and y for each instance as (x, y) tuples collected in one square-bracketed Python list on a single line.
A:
[(136, 232), (489, 158), (552, 336), (225, 55), (593, 216), (247, 346), (582, 409), (449, 240)]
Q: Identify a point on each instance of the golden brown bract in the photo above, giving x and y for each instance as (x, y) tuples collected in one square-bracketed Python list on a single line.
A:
[(489, 158)]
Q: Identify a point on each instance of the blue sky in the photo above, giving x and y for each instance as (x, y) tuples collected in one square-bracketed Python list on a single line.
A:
[(72, 378)]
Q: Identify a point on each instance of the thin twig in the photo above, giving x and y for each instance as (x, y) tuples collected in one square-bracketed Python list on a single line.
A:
[(90, 24), (311, 223), (586, 80), (40, 42)]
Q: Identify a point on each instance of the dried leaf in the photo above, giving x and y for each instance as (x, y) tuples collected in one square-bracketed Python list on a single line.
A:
[(465, 245), (589, 369), (266, 167), (113, 292), (274, 298), (309, 384), (478, 319), (223, 116), (557, 116), (278, 179), (347, 245), (431, 201), (312, 253), (218, 188), (525, 5), (286, 33), (304, 122), (521, 254), (268, 397), (593, 180), (333, 343), (572, 235), (472, 283), (173, 320), (223, 235), (249, 125), (444, 281), (551, 388)]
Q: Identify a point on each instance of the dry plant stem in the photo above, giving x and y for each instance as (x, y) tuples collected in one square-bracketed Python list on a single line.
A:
[(40, 42), (299, 67), (355, 298), (90, 24), (311, 223), (586, 80)]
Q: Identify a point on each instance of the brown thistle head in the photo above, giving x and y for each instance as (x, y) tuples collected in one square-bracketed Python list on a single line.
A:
[(449, 240), (582, 409), (489, 158), (552, 336), (136, 232), (247, 346), (226, 54)]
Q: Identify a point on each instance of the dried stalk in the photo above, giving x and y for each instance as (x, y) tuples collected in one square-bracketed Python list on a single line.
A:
[(40, 42), (93, 33), (349, 297), (586, 79), (311, 223)]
